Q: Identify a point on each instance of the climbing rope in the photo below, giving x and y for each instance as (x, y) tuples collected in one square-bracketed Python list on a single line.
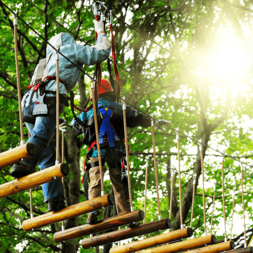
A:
[(22, 141), (223, 200), (232, 218), (179, 178), (127, 154), (171, 193), (145, 193), (243, 205), (156, 172), (193, 196), (97, 139), (214, 195), (203, 185)]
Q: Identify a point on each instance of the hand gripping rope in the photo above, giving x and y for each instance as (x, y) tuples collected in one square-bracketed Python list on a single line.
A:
[(100, 12)]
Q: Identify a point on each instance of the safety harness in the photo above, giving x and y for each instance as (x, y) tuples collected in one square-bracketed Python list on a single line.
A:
[(107, 133), (108, 138), (43, 103)]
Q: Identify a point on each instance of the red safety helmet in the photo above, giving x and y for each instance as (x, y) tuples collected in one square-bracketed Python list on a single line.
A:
[(105, 87)]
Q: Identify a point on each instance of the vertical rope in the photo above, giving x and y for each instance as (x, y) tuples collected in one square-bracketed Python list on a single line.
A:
[(57, 109), (214, 196), (62, 152), (22, 142), (97, 138), (233, 208), (245, 241), (171, 193), (179, 177), (127, 154), (146, 188), (156, 173), (203, 182), (31, 190), (223, 197), (193, 195)]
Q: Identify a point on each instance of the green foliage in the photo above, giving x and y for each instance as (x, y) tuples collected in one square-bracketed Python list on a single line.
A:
[(156, 78)]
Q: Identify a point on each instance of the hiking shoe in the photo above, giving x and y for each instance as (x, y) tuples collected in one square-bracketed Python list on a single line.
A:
[(91, 219), (19, 170), (54, 206)]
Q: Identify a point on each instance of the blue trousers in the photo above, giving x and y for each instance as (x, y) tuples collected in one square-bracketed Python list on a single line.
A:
[(41, 136)]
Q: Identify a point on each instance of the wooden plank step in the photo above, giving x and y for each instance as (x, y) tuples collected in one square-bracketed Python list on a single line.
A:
[(126, 233), (34, 179), (184, 245), (153, 241), (88, 229), (14, 155), (68, 212), (220, 247)]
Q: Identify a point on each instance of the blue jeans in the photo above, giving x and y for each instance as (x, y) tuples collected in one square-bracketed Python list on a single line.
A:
[(41, 136)]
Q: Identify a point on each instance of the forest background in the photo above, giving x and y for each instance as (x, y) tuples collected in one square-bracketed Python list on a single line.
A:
[(189, 62)]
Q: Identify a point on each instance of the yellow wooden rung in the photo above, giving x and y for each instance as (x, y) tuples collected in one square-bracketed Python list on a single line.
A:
[(14, 155), (88, 229), (34, 179), (68, 212)]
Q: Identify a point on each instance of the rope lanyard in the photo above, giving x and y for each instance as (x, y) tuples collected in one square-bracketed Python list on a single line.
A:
[(156, 173)]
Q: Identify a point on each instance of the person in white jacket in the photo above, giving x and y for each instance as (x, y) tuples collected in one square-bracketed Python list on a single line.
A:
[(39, 103)]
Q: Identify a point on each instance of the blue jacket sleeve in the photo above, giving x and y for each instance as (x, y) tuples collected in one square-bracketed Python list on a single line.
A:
[(90, 55)]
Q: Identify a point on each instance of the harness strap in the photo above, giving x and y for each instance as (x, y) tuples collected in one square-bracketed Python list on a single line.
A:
[(84, 166), (107, 128), (72, 96), (41, 82)]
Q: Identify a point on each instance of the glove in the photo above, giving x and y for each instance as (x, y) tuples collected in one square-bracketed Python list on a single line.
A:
[(63, 126), (161, 122), (99, 26)]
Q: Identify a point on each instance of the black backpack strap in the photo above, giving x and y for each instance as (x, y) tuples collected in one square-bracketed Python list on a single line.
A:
[(72, 96)]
